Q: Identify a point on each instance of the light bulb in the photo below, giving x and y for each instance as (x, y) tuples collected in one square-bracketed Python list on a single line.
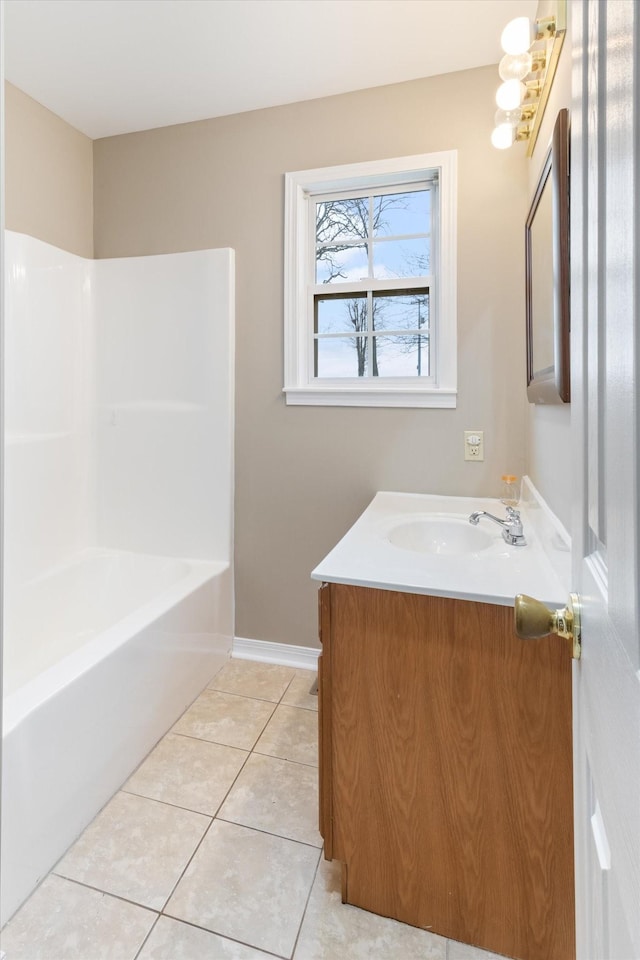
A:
[(512, 117), (518, 35), (503, 136), (510, 94), (515, 67)]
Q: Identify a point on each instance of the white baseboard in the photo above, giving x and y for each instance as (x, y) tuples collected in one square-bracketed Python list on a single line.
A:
[(285, 654)]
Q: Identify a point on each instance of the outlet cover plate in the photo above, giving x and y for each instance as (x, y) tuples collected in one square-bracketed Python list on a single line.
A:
[(474, 445)]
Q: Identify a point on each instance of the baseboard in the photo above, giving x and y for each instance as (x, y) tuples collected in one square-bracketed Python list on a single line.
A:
[(285, 654)]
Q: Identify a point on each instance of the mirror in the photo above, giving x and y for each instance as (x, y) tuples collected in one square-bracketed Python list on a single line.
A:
[(547, 275)]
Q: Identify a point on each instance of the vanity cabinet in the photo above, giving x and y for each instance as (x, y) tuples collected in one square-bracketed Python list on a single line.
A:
[(446, 768)]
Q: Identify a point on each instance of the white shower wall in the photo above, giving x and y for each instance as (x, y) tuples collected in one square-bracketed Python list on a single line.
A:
[(48, 407), (119, 406), (164, 424)]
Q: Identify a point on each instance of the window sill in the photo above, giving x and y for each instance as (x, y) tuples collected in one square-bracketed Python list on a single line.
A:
[(376, 397)]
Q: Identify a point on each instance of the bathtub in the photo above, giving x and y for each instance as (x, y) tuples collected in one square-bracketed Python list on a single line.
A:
[(127, 643)]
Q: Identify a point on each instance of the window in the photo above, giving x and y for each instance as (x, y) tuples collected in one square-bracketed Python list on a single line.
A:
[(370, 286)]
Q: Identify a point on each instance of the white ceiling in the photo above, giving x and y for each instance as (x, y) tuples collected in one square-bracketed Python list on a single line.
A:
[(115, 66)]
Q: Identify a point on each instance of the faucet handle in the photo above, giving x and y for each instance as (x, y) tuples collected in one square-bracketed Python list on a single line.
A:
[(513, 514)]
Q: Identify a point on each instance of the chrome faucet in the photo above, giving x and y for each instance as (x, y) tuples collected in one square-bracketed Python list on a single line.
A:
[(511, 527)]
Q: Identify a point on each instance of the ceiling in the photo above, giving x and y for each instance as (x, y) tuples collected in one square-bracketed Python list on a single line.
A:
[(115, 66)]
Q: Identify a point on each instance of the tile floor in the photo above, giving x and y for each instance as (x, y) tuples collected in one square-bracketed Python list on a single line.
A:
[(211, 849)]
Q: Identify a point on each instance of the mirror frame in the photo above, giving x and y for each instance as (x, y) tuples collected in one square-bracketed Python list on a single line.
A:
[(552, 385)]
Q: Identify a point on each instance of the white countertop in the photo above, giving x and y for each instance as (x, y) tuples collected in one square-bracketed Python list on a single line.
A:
[(495, 573)]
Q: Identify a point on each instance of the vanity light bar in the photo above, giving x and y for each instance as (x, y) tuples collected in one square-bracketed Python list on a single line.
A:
[(532, 49)]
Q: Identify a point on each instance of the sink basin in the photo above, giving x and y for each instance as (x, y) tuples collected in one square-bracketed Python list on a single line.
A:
[(448, 536)]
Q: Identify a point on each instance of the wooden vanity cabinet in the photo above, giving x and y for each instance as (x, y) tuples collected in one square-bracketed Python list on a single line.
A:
[(446, 768)]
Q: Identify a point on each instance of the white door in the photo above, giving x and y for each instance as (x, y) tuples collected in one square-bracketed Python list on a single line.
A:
[(605, 352)]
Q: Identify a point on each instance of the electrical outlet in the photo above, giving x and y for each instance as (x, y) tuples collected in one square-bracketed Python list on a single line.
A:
[(474, 445)]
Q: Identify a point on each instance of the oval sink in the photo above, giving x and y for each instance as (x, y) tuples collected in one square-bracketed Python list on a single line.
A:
[(443, 535)]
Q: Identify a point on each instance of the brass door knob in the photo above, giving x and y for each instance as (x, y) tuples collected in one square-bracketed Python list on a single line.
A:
[(534, 619)]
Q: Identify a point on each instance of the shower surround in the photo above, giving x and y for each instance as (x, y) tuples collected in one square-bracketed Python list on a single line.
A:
[(118, 536)]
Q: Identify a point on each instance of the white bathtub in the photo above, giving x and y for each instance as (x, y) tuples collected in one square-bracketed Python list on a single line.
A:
[(102, 656)]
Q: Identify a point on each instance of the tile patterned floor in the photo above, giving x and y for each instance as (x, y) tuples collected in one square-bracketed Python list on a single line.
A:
[(211, 849)]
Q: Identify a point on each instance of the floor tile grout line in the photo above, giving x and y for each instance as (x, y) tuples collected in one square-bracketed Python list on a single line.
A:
[(165, 803), (295, 677), (216, 817), (302, 763), (186, 867), (189, 736), (223, 936), (176, 806), (179, 806), (229, 693), (262, 729), (278, 705), (158, 915), (197, 847), (105, 893), (213, 819), (244, 696), (218, 743), (269, 833), (254, 750), (152, 928), (306, 905), (272, 756)]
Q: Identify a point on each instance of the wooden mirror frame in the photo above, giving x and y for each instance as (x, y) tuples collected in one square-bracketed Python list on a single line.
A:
[(552, 385)]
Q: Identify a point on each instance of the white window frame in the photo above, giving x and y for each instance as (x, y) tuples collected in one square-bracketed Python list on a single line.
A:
[(301, 190)]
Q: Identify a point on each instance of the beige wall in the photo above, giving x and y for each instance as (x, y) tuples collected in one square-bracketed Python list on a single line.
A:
[(303, 474), (48, 175), (549, 427)]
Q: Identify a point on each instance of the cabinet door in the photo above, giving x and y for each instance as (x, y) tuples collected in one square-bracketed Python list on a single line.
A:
[(451, 770)]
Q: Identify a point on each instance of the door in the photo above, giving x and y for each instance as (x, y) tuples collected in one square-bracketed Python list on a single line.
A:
[(605, 283)]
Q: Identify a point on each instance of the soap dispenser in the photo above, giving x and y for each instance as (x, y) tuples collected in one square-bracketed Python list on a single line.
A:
[(510, 490)]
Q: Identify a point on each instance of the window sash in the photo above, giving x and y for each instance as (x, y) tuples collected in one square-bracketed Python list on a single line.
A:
[(370, 333), (312, 199), (367, 286)]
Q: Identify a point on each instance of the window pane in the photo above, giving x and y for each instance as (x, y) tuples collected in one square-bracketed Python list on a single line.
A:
[(395, 214), (337, 263), (341, 357), (401, 258), (405, 311), (340, 314), (406, 356), (342, 220)]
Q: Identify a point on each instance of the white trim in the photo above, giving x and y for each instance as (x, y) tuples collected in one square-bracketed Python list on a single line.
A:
[(375, 286), (285, 654), (299, 385), (371, 396)]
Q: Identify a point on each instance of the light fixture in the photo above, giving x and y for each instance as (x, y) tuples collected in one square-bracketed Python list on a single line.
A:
[(503, 136), (532, 49), (515, 67), (512, 117), (510, 94), (518, 35)]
